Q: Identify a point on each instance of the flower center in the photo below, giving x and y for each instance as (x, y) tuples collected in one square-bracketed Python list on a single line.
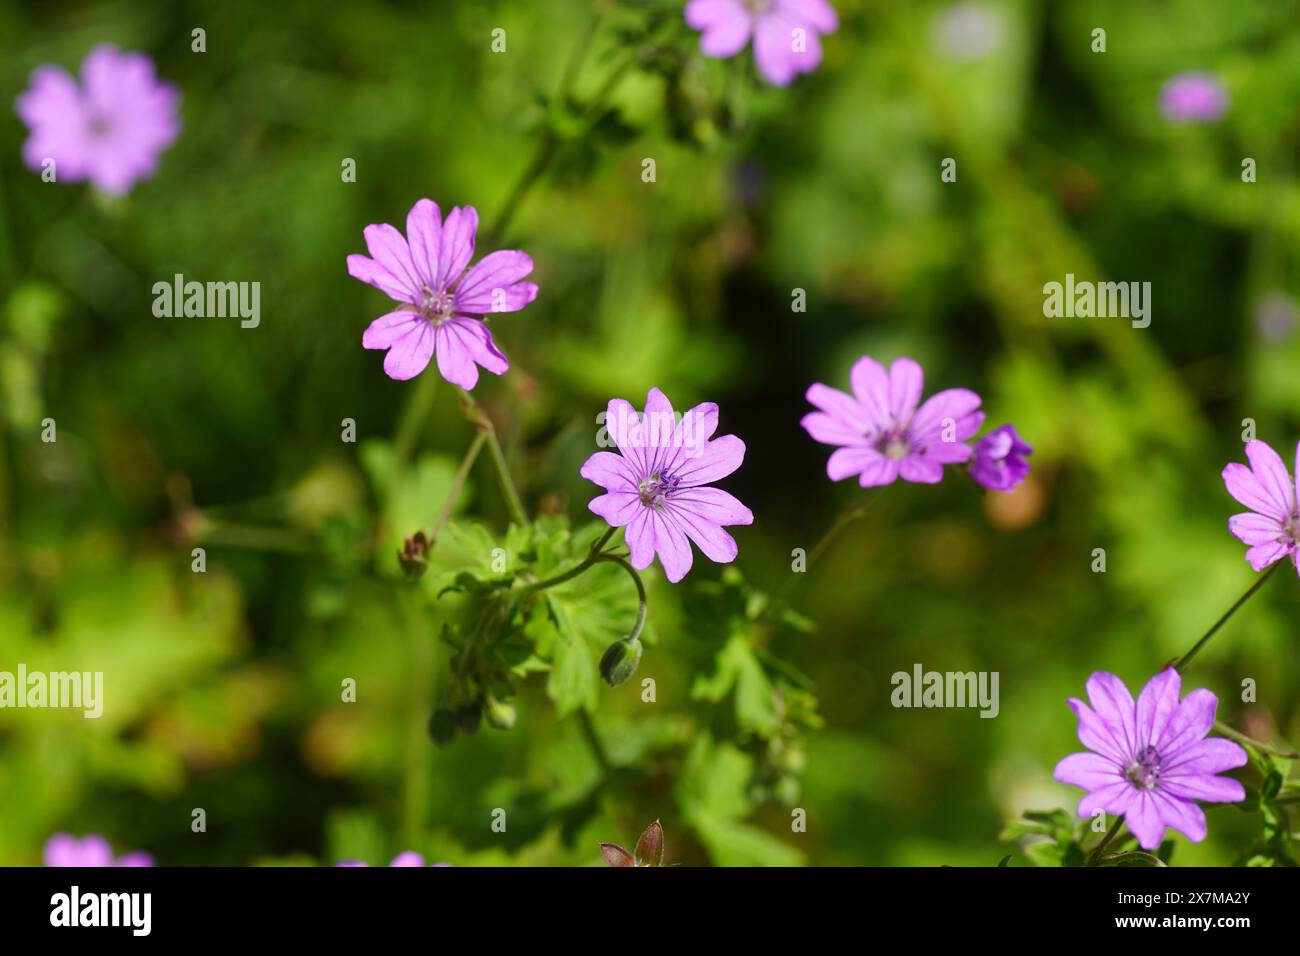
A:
[(1144, 771), (436, 306), (97, 126), (656, 488), (1291, 528), (893, 444), (757, 7)]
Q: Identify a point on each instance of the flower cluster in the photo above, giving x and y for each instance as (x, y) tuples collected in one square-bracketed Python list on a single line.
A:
[(885, 432)]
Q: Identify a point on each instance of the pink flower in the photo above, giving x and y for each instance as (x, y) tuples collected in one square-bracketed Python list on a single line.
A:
[(785, 32), (440, 308), (110, 130), (1000, 459), (658, 486), (405, 858), (1150, 761), (63, 849), (882, 432), (1272, 526), (1193, 97)]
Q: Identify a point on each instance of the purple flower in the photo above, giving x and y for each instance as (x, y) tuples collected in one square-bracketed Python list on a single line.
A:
[(882, 432), (999, 459), (1272, 525), (1193, 98), (785, 32), (63, 849), (1150, 761), (657, 486), (440, 308), (110, 130), (405, 858)]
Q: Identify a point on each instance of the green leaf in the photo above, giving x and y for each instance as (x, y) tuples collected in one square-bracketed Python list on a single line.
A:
[(574, 680)]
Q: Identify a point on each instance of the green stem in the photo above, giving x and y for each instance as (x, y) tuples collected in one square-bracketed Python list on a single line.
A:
[(456, 485), (1186, 659), (643, 605), (593, 742), (1257, 744), (1105, 842), (413, 417), (845, 519), (593, 556), (479, 417)]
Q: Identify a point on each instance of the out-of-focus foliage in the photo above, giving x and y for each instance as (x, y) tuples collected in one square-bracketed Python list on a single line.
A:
[(772, 690)]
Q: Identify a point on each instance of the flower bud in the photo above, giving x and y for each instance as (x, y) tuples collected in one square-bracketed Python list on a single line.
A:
[(499, 714), (469, 717), (620, 660), (414, 556), (442, 727)]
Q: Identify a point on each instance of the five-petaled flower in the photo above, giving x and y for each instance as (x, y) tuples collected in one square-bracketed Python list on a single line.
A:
[(1000, 459), (658, 486), (63, 849), (111, 129), (786, 33), (442, 304), (883, 434), (1272, 526), (1150, 761)]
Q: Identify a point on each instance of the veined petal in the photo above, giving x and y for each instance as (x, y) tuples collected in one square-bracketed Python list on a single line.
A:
[(1096, 734), (716, 545), (1206, 787), (616, 507), (905, 383), (386, 330), (717, 459), (872, 389), (1272, 475), (423, 232), (1112, 702), (492, 284), (612, 472), (1210, 756), (389, 249), (713, 505), (1245, 487), (671, 545), (409, 355), (1255, 529), (1181, 815), (1090, 771), (456, 244), (830, 430), (373, 273), (1156, 705), (1145, 820), (1189, 723)]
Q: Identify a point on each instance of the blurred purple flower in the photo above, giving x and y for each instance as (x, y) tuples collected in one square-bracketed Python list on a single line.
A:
[(405, 858), (1000, 458), (1272, 526), (657, 486), (882, 432), (1275, 316), (110, 130), (1150, 761), (63, 849), (786, 33), (1193, 97), (440, 308)]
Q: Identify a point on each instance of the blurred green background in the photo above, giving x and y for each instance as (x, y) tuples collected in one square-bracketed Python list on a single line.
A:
[(223, 688)]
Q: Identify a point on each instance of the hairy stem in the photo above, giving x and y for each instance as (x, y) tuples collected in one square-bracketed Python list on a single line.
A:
[(592, 557), (1105, 842), (593, 742), (457, 484), (1186, 659)]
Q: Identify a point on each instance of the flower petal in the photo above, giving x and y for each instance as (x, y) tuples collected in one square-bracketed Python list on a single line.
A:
[(372, 273), (1181, 815), (671, 545), (612, 472), (725, 24), (388, 329), (389, 249), (717, 459), (1145, 820), (1272, 475), (492, 284), (456, 244), (1204, 757), (1189, 724), (1156, 705), (423, 235), (618, 508), (713, 505), (1090, 771), (1113, 704), (715, 544), (409, 355), (905, 383), (871, 387)]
